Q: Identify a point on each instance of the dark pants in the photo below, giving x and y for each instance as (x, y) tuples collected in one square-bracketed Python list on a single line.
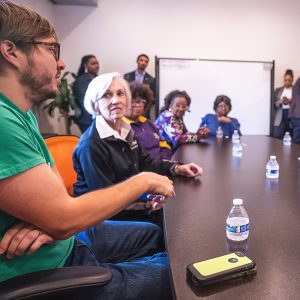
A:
[(283, 127), (129, 250)]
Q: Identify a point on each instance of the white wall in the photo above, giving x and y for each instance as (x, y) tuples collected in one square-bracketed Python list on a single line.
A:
[(117, 31)]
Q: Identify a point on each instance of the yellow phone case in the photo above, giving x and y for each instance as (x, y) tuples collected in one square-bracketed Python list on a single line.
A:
[(224, 267)]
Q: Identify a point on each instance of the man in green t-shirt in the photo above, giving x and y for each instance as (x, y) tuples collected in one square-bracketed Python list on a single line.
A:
[(37, 215)]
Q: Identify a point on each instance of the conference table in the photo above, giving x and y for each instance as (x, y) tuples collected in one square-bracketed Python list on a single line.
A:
[(195, 218)]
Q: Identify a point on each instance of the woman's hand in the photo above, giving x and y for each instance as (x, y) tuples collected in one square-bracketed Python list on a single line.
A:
[(224, 119), (23, 237), (286, 101), (188, 170), (203, 132)]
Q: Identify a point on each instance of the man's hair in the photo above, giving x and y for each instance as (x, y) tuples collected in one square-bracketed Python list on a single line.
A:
[(222, 98), (21, 25), (145, 55)]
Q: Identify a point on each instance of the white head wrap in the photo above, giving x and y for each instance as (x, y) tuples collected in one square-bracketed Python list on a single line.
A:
[(96, 90)]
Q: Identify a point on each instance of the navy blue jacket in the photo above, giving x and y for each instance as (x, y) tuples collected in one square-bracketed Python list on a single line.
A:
[(103, 162)]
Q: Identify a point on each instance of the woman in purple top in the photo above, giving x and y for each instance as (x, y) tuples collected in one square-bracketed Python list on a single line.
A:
[(170, 122), (222, 107), (145, 132)]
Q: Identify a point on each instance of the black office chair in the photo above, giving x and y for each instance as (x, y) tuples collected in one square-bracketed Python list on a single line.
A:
[(64, 283)]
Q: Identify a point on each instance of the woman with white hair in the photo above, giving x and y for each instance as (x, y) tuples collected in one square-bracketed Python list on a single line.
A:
[(108, 152)]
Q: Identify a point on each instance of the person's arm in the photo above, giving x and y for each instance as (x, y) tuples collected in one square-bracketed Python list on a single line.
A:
[(188, 170), (233, 125), (165, 150), (277, 98), (168, 167), (176, 135), (147, 163), (50, 208), (80, 86), (236, 125), (203, 132), (210, 123), (166, 131), (23, 237)]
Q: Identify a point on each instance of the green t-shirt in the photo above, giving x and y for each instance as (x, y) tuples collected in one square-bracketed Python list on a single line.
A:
[(22, 147)]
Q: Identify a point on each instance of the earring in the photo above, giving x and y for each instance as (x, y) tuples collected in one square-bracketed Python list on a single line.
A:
[(85, 70)]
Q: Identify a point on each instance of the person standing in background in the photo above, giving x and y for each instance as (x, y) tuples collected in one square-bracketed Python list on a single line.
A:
[(283, 97), (87, 71), (294, 113), (140, 75)]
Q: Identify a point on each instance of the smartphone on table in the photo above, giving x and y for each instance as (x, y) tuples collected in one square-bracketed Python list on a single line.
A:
[(221, 268)]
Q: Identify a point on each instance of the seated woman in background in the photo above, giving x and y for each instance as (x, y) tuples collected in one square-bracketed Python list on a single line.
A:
[(222, 107), (282, 101), (108, 152), (145, 132), (170, 122), (87, 71)]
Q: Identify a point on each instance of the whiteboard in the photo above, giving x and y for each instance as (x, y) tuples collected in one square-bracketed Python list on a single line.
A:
[(248, 85)]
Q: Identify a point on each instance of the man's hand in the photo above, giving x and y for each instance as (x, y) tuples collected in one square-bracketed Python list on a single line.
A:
[(188, 170), (159, 185), (155, 202), (21, 238)]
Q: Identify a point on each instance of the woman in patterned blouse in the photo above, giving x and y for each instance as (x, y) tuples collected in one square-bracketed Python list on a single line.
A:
[(170, 122)]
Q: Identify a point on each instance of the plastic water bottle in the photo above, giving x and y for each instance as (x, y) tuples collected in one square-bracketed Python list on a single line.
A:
[(272, 168), (237, 222), (287, 140), (237, 149), (235, 136), (219, 133)]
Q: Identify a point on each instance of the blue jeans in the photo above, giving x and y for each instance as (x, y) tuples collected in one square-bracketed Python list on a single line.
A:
[(129, 250), (296, 130)]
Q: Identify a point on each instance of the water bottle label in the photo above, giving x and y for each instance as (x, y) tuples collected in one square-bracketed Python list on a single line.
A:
[(268, 171), (238, 229)]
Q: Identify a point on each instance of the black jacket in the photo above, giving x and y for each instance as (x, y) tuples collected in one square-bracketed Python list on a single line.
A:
[(148, 79), (103, 162)]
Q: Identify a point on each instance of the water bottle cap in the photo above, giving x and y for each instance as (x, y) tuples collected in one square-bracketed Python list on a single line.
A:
[(237, 201), (273, 157), (235, 131), (287, 132)]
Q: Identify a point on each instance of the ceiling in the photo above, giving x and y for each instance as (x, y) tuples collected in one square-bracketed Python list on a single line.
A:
[(76, 2)]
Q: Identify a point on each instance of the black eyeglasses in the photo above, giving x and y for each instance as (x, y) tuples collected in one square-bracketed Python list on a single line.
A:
[(138, 100), (55, 47)]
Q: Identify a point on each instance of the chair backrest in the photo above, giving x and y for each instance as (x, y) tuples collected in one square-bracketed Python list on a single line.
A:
[(61, 148)]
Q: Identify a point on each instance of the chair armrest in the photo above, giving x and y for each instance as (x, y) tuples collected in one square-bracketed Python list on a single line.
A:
[(54, 283)]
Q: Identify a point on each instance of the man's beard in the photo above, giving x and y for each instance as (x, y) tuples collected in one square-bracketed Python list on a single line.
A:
[(38, 86)]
